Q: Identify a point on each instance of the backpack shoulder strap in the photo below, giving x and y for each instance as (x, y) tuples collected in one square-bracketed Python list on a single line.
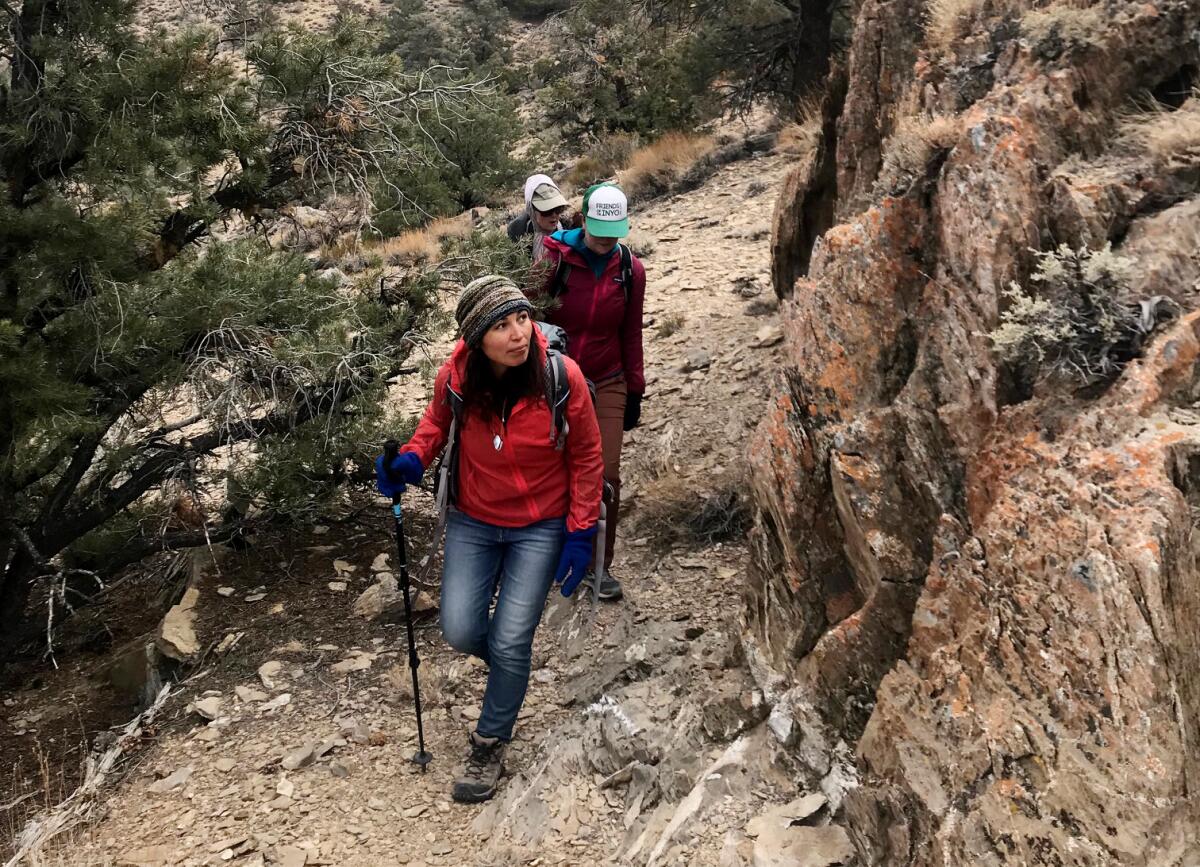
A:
[(558, 394), (562, 272), (626, 270), (445, 483)]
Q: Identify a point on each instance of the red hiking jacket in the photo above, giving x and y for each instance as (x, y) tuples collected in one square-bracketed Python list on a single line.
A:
[(605, 333), (527, 480)]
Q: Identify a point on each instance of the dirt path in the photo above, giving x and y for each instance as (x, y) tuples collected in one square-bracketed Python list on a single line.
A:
[(356, 800)]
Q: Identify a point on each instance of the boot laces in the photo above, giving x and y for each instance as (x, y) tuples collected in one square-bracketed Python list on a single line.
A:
[(480, 757)]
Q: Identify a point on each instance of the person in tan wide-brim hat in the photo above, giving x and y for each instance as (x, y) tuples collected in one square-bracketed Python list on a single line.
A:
[(544, 207)]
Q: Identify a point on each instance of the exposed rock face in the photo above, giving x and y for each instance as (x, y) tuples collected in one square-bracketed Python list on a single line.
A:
[(993, 595)]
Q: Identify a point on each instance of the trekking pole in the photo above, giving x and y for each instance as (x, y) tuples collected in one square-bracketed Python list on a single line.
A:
[(422, 757)]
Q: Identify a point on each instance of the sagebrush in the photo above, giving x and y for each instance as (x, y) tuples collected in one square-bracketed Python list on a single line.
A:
[(1082, 322)]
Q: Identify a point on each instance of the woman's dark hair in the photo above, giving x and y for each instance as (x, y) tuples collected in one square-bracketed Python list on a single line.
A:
[(490, 394)]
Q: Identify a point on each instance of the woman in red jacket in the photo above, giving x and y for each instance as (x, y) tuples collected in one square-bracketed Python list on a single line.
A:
[(526, 507), (599, 288)]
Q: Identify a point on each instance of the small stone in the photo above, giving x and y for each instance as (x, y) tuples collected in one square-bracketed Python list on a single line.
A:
[(229, 843), (209, 708), (285, 787), (246, 695), (339, 770), (380, 563), (768, 335), (375, 804), (268, 671), (343, 568), (414, 812), (170, 783), (337, 586), (148, 856), (298, 758), (228, 642), (697, 359), (290, 856), (225, 765), (256, 597), (441, 848), (177, 632), (361, 662), (226, 591), (281, 803), (353, 730), (281, 700)]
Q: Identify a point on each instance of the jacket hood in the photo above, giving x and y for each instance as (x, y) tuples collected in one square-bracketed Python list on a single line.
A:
[(533, 182), (572, 238), (566, 242)]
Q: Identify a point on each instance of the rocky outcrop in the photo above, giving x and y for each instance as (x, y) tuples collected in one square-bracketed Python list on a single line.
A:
[(991, 593)]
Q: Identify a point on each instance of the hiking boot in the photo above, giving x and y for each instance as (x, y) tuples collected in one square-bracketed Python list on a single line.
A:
[(485, 764), (610, 587)]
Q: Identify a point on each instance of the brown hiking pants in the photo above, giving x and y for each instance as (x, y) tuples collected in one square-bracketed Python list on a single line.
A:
[(610, 413)]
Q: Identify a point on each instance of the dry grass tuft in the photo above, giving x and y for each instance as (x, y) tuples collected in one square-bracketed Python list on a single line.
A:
[(653, 169), (670, 324), (1168, 136), (948, 21), (642, 245), (907, 151), (602, 161), (673, 509), (1072, 27), (422, 245), (799, 139)]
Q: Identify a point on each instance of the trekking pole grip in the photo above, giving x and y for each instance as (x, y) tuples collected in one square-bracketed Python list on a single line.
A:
[(391, 449)]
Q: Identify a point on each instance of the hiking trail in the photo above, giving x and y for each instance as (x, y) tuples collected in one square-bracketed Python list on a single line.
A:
[(306, 757)]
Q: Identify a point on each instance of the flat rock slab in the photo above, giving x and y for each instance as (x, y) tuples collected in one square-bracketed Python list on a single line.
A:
[(170, 783), (803, 846), (147, 856), (177, 633)]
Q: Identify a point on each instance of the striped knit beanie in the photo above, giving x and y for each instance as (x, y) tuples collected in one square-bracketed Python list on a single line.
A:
[(484, 302)]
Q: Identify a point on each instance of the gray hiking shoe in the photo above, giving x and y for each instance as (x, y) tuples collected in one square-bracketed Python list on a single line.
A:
[(485, 764), (610, 587)]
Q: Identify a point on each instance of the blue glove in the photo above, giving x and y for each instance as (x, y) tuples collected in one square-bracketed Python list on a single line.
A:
[(574, 560), (405, 469)]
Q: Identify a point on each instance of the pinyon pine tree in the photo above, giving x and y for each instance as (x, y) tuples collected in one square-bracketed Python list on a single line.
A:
[(148, 359)]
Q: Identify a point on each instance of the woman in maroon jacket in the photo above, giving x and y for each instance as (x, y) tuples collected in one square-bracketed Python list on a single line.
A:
[(599, 288), (526, 507)]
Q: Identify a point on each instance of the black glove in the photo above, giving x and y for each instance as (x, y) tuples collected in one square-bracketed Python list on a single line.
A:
[(633, 410)]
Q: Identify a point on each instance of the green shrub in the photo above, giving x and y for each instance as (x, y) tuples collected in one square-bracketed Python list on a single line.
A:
[(142, 348), (1082, 324), (614, 69), (473, 36), (779, 49), (465, 161)]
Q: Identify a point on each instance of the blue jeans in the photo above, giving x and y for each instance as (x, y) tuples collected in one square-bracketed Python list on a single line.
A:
[(521, 561)]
